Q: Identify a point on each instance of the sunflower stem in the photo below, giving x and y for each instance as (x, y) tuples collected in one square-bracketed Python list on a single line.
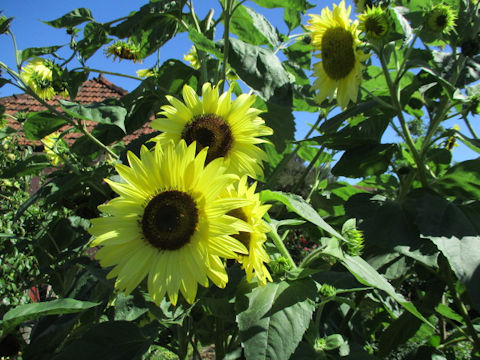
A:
[(284, 162), (394, 92), (226, 42), (281, 246)]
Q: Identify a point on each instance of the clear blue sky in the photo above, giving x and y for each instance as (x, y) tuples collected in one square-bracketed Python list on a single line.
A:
[(31, 32)]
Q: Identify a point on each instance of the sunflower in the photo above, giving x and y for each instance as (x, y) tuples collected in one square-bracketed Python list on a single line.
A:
[(52, 143), (230, 129), (168, 224), (336, 37), (124, 50), (374, 22), (440, 19), (253, 231), (192, 58), (38, 76)]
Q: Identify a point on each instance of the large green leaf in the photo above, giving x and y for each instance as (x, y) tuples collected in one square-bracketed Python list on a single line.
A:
[(204, 43), (40, 124), (367, 275), (120, 340), (299, 5), (364, 160), (29, 312), (94, 36), (455, 230), (299, 206), (103, 112), (464, 258), (71, 19), (272, 319), (28, 53), (151, 26), (261, 69), (387, 228), (253, 27), (461, 181), (29, 166)]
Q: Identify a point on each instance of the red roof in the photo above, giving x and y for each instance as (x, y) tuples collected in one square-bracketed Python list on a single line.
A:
[(94, 90)]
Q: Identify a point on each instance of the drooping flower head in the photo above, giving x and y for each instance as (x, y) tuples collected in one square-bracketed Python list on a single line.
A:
[(168, 224), (52, 144), (441, 19), (340, 69), (374, 23), (231, 129), (124, 50), (253, 234), (192, 58), (38, 75)]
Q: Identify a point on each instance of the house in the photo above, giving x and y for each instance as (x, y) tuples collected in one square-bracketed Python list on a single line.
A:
[(94, 90)]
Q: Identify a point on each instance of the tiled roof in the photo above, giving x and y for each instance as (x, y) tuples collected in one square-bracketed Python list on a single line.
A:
[(93, 90)]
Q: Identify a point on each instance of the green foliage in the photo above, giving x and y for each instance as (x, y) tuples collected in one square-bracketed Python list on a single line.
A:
[(373, 239)]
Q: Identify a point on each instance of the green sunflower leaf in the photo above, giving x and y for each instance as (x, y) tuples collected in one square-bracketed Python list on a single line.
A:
[(71, 19), (151, 26), (299, 5), (272, 319), (121, 340), (28, 312), (29, 166), (40, 124), (253, 27), (94, 36), (103, 113), (299, 206), (364, 160), (29, 53)]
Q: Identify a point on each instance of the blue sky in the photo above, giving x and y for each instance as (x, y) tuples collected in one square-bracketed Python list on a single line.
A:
[(31, 32)]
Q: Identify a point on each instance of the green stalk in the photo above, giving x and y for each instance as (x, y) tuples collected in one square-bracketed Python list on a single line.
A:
[(273, 177), (226, 43), (462, 310), (394, 92), (281, 247), (469, 126)]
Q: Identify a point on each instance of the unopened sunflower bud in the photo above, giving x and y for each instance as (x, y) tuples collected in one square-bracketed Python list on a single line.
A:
[(354, 238), (374, 22), (328, 290), (440, 19), (320, 345), (279, 266)]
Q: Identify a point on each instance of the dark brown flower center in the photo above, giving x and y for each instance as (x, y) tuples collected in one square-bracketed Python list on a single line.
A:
[(242, 236), (212, 131), (170, 220), (441, 21), (338, 55), (375, 25)]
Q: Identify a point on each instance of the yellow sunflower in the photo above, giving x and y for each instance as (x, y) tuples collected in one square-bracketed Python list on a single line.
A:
[(252, 230), (168, 224), (336, 37), (52, 144), (38, 75), (230, 129)]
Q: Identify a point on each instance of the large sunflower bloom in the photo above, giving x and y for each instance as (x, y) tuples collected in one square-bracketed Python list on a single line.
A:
[(168, 224), (336, 37), (230, 129), (38, 75), (252, 230)]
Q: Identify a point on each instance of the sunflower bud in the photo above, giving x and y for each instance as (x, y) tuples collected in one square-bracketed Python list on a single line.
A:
[(440, 19), (124, 50), (374, 22), (354, 238), (328, 290)]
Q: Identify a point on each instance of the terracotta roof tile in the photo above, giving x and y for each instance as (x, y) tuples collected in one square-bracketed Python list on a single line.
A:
[(94, 90)]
